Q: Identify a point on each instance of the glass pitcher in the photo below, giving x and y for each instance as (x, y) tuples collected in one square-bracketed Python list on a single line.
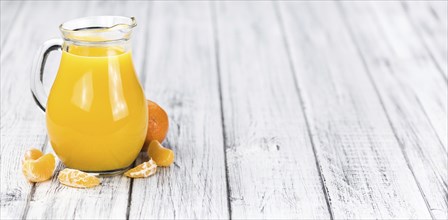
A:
[(96, 112)]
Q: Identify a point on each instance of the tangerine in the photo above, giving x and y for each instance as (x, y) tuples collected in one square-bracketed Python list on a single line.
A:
[(77, 178), (161, 155), (143, 170), (33, 154), (39, 169), (157, 124)]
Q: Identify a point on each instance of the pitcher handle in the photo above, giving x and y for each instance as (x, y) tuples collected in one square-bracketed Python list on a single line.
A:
[(37, 79)]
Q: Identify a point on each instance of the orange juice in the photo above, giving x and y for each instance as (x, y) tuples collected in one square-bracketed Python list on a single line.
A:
[(96, 110)]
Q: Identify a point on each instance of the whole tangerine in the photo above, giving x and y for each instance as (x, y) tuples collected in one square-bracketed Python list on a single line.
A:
[(157, 124)]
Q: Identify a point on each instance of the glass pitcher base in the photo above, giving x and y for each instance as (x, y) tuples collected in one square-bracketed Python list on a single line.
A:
[(109, 172)]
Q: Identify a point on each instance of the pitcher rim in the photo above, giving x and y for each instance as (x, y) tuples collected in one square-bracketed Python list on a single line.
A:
[(131, 24)]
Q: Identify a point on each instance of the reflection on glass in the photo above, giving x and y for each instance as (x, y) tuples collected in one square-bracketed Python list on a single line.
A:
[(83, 92), (116, 97)]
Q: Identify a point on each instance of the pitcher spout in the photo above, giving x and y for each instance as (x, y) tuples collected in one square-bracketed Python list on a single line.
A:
[(98, 29)]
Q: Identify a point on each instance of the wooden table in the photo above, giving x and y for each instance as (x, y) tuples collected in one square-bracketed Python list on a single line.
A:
[(301, 109)]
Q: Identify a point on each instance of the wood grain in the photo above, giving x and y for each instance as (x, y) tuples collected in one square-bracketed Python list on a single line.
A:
[(182, 78), (270, 160), (277, 110), (365, 172), (430, 19), (22, 124), (399, 82)]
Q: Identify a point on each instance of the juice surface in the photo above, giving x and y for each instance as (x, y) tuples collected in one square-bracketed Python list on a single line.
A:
[(96, 110)]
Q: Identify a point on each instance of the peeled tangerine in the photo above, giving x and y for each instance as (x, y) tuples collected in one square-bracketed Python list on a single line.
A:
[(38, 168), (33, 154), (143, 170), (162, 156), (78, 179)]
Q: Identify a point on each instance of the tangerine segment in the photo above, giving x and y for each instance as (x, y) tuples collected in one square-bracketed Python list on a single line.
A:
[(78, 179), (143, 170), (33, 154), (162, 156), (40, 169)]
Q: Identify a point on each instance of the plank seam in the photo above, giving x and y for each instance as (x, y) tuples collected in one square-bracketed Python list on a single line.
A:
[(218, 70), (438, 67), (416, 96), (145, 51), (33, 187), (372, 81), (142, 83), (131, 184), (425, 45), (299, 93), (430, 123), (142, 75)]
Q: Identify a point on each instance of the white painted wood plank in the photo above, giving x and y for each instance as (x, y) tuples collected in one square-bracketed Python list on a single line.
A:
[(440, 8), (182, 78), (430, 19), (271, 165), (397, 75), (22, 124), (365, 172), (9, 11), (423, 73), (52, 200)]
